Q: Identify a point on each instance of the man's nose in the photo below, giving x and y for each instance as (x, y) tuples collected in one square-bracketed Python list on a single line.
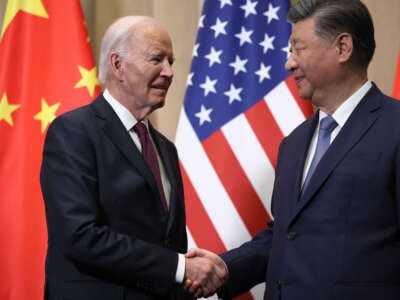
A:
[(167, 69), (290, 64)]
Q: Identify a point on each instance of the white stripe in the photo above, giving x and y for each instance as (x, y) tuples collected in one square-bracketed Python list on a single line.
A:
[(251, 156), (284, 108), (191, 242), (208, 186), (258, 291)]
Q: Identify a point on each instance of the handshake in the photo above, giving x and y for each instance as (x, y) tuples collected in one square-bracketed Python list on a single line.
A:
[(205, 272)]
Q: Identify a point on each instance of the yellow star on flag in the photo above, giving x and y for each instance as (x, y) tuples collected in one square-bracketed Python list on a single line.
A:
[(47, 114), (89, 79), (6, 109), (34, 7)]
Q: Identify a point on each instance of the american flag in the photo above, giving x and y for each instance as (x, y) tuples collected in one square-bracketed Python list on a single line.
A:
[(239, 104)]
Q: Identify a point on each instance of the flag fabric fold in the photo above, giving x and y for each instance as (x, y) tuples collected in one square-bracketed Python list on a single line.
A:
[(239, 104), (46, 68), (396, 83)]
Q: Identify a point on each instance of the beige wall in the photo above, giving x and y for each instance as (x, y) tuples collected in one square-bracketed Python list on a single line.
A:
[(181, 18)]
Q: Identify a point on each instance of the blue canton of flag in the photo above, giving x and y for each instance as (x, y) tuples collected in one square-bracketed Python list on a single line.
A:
[(238, 57)]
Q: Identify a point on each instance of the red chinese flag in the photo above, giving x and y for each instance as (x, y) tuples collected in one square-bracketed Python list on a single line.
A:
[(396, 84), (46, 68)]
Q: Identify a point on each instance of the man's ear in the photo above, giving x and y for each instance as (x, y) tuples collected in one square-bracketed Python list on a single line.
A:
[(116, 64), (344, 45)]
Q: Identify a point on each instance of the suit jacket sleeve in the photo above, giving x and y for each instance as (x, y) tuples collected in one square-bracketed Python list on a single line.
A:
[(247, 264), (80, 228)]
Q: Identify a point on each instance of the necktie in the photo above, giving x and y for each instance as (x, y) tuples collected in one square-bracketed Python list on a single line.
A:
[(326, 126), (150, 155)]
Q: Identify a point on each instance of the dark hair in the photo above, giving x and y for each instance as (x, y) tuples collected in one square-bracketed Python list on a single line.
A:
[(333, 17)]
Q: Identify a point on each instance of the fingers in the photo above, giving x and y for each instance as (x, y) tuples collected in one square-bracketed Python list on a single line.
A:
[(220, 267), (195, 252), (205, 272)]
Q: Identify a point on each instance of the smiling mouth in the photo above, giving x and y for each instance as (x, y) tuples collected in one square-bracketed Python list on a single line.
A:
[(161, 86), (298, 79)]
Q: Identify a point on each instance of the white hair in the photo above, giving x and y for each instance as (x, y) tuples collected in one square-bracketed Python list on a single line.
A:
[(117, 38)]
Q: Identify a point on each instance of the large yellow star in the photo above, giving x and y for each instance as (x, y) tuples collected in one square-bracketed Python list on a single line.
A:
[(6, 109), (47, 114), (34, 7), (89, 79)]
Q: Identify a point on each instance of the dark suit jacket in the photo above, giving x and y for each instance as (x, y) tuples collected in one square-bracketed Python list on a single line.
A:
[(108, 235), (342, 239)]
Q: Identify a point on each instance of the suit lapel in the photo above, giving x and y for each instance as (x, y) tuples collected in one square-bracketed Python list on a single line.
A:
[(115, 130), (161, 145), (362, 118), (298, 152)]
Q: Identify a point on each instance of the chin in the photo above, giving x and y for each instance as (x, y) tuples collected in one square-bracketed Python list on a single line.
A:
[(159, 104), (304, 94)]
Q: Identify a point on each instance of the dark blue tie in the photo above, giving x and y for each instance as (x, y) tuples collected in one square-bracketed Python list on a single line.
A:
[(326, 126), (150, 155)]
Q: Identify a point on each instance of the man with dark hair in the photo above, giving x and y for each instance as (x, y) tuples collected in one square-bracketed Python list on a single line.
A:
[(336, 198)]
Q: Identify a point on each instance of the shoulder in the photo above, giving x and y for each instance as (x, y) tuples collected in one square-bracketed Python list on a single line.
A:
[(81, 114)]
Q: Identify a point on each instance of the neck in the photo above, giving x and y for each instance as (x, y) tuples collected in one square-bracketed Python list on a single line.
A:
[(139, 113), (339, 93)]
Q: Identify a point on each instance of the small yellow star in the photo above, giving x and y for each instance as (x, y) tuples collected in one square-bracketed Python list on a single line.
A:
[(47, 114), (34, 7), (89, 79), (6, 109)]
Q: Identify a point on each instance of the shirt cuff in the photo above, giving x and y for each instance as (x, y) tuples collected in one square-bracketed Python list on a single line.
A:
[(180, 269)]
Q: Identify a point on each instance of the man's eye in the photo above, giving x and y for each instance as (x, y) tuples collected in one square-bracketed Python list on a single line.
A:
[(299, 49), (155, 59)]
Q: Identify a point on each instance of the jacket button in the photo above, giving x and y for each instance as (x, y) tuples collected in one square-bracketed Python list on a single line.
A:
[(292, 235)]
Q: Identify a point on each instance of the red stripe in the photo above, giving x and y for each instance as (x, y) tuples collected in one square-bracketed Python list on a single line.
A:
[(200, 225), (246, 296), (266, 129), (304, 105), (198, 221), (396, 84), (236, 183)]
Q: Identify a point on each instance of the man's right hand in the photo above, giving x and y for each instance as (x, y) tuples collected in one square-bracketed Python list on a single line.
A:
[(205, 272)]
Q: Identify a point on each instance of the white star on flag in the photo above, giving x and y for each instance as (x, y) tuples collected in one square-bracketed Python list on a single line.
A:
[(249, 8), (219, 28), (239, 65), (209, 86), (263, 72), (225, 2), (272, 13), (214, 56), (233, 94), (204, 115), (267, 43), (244, 36)]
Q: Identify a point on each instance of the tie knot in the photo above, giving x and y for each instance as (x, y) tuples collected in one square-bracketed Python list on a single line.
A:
[(328, 123), (140, 129)]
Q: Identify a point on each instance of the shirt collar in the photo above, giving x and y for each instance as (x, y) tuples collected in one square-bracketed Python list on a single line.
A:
[(344, 111), (126, 117)]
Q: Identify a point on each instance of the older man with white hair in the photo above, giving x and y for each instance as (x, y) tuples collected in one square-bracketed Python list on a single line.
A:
[(112, 185)]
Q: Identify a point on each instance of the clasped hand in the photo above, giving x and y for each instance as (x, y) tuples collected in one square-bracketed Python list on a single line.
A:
[(205, 272)]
